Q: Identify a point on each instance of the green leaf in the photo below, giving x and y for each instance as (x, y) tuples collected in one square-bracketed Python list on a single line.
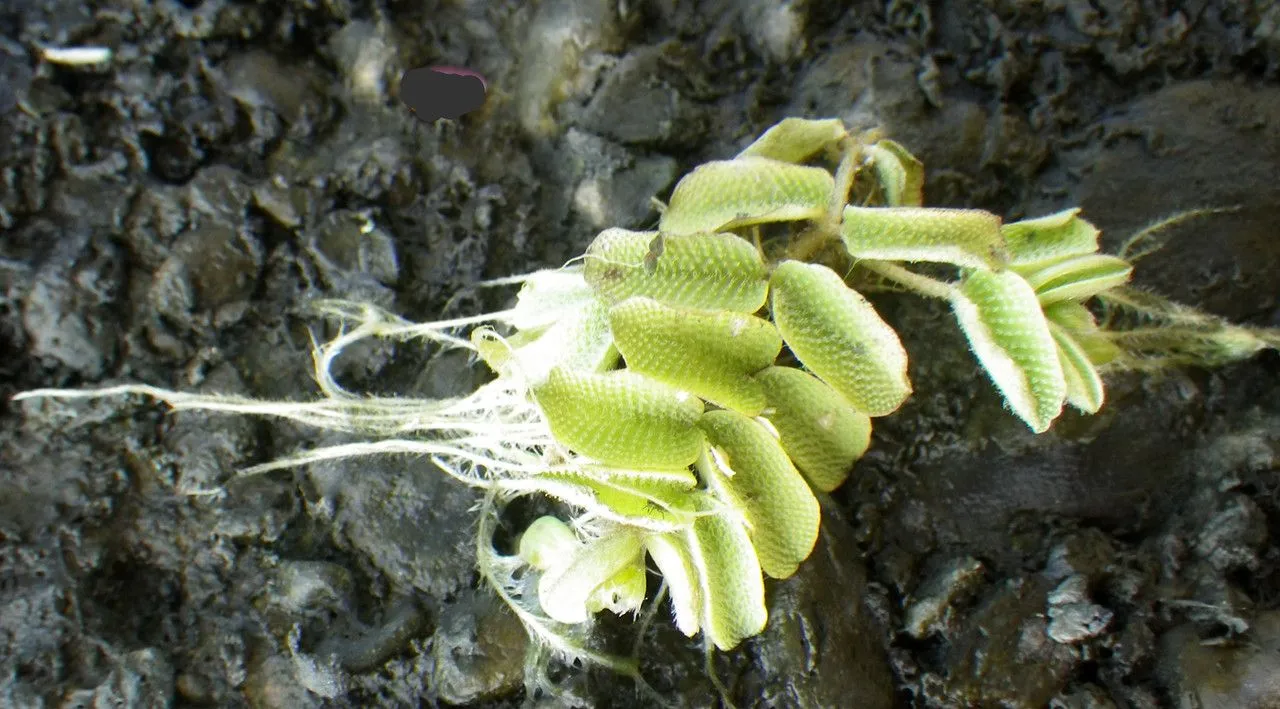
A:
[(1007, 331), (707, 271), (900, 174), (1043, 240), (709, 353), (728, 573), (964, 237), (547, 541), (565, 591), (836, 333), (820, 430), (621, 593), (1077, 278), (670, 554), (1077, 321), (795, 140), (727, 194), (634, 496), (1085, 390), (622, 419), (747, 468)]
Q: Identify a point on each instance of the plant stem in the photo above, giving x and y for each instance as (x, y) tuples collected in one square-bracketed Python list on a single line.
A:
[(914, 281)]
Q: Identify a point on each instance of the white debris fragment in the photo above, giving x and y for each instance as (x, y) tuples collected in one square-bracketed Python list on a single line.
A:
[(76, 56)]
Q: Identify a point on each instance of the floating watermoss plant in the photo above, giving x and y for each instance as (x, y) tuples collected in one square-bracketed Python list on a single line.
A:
[(649, 385)]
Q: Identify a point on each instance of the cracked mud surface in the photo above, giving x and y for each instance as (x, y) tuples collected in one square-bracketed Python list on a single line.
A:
[(165, 216)]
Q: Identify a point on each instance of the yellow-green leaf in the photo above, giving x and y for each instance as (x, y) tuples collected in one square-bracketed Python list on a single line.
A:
[(621, 418), (795, 140), (1077, 278), (836, 333), (1085, 390), (1042, 240), (964, 237), (901, 174), (727, 194), (1007, 331), (670, 554), (747, 467), (564, 591), (731, 586), (1078, 322), (708, 271), (634, 496), (709, 353), (621, 593), (820, 430), (546, 542)]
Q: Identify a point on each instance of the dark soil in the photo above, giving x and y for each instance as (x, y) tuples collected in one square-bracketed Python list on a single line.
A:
[(166, 216)]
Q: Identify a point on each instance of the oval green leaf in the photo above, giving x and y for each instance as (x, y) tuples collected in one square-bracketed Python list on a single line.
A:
[(1085, 390), (706, 271), (1077, 321), (836, 333), (709, 353), (795, 140), (964, 237), (621, 418), (727, 194), (747, 467), (1007, 331), (1037, 242), (637, 497), (547, 541), (1078, 278), (731, 586), (820, 430)]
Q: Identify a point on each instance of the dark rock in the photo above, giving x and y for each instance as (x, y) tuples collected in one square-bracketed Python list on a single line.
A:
[(820, 646), (1234, 675), (479, 650)]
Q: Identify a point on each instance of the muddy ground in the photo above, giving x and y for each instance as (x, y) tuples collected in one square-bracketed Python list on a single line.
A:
[(166, 215)]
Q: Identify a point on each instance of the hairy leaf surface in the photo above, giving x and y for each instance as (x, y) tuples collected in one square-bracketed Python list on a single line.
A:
[(1043, 240), (795, 140), (710, 353), (1085, 390), (748, 468), (964, 237), (709, 271), (820, 430), (1001, 316), (731, 584), (622, 419), (727, 194), (836, 333), (1078, 322), (670, 554), (1078, 278), (639, 495)]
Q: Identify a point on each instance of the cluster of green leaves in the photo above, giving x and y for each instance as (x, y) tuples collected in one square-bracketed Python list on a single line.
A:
[(663, 370)]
